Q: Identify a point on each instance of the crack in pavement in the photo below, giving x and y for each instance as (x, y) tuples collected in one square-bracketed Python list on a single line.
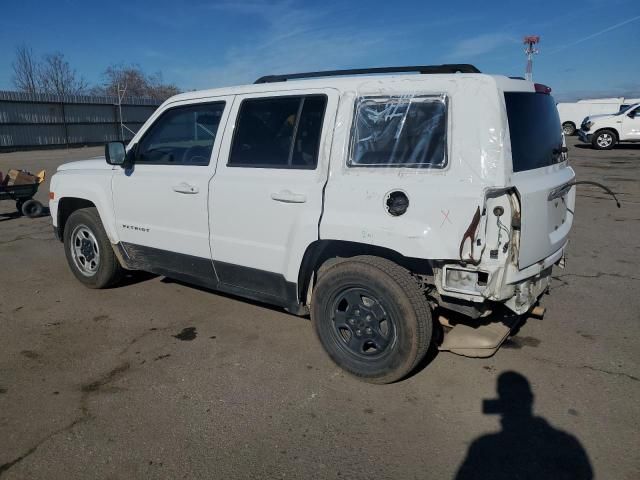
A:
[(135, 340), (94, 387), (609, 372), (587, 367), (597, 275), (87, 389), (6, 466), (626, 201), (28, 236)]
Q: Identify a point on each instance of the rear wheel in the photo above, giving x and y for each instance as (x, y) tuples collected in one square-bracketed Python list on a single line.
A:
[(88, 250), (604, 140), (372, 318), (568, 128)]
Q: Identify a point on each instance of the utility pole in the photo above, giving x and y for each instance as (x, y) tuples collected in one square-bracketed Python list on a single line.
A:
[(121, 93), (530, 41)]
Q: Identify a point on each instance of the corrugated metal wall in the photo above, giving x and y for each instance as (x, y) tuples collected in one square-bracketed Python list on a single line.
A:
[(36, 121)]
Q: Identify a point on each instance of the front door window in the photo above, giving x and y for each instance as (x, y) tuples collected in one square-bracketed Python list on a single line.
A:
[(181, 136)]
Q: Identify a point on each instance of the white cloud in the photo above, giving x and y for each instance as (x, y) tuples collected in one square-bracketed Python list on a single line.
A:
[(594, 35), (292, 39), (481, 44)]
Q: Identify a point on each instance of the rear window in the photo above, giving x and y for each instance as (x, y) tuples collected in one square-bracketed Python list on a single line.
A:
[(534, 125)]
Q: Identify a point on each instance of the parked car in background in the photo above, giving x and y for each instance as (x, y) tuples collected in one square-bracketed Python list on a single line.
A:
[(603, 132), (572, 114), (364, 201)]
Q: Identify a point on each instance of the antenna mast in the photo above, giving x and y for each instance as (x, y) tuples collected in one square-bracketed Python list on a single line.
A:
[(530, 41)]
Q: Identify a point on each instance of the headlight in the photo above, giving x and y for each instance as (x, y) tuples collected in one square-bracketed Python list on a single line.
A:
[(464, 281)]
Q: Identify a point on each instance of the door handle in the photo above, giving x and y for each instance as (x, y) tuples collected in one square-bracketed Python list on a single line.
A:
[(185, 187), (288, 197)]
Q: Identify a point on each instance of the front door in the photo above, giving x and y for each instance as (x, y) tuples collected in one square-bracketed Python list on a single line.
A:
[(631, 125), (266, 196), (161, 201)]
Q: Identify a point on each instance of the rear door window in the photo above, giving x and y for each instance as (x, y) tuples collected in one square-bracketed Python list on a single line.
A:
[(278, 132), (403, 131), (535, 131)]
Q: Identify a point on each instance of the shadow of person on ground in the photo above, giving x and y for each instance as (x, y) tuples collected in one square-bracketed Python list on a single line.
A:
[(527, 447)]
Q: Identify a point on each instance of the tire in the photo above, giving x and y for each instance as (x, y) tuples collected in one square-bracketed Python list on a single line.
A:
[(371, 318), (568, 128), (32, 208), (604, 140), (89, 253)]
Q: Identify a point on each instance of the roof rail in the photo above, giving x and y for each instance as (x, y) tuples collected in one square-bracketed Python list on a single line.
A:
[(423, 69)]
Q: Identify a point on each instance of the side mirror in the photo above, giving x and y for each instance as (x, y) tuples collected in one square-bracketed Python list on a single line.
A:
[(632, 114), (115, 153)]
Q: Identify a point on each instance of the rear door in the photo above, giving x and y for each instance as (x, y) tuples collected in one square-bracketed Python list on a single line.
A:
[(266, 195), (540, 174)]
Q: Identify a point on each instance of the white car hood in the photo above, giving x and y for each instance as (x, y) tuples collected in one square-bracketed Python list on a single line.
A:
[(601, 115), (98, 163)]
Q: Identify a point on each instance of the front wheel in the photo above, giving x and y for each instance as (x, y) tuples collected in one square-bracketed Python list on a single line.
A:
[(372, 318), (604, 140), (88, 250)]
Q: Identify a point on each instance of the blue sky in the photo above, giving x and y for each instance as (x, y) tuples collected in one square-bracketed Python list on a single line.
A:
[(588, 49)]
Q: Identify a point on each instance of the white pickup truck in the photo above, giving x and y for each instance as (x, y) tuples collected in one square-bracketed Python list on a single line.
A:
[(366, 198), (603, 132), (572, 114)]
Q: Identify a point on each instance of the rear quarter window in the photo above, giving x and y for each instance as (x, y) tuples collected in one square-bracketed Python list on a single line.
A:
[(402, 131), (534, 128)]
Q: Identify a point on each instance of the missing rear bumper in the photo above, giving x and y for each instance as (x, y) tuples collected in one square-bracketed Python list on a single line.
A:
[(527, 292)]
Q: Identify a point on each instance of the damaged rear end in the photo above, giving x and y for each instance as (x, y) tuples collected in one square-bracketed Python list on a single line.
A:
[(521, 230)]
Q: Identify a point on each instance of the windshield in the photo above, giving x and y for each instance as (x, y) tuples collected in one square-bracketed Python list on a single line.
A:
[(534, 127), (625, 108)]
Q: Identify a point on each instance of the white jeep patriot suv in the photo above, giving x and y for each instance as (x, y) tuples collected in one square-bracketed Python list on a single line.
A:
[(365, 198)]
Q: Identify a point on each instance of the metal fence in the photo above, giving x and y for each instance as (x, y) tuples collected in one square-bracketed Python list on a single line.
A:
[(46, 121)]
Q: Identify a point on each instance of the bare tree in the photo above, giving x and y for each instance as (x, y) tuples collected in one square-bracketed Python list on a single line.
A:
[(160, 90), (136, 82), (57, 76), (121, 76), (54, 74), (26, 70)]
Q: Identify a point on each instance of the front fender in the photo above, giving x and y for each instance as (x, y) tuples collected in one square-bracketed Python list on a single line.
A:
[(94, 187)]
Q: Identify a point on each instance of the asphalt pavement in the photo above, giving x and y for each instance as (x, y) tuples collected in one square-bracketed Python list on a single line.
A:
[(157, 379)]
